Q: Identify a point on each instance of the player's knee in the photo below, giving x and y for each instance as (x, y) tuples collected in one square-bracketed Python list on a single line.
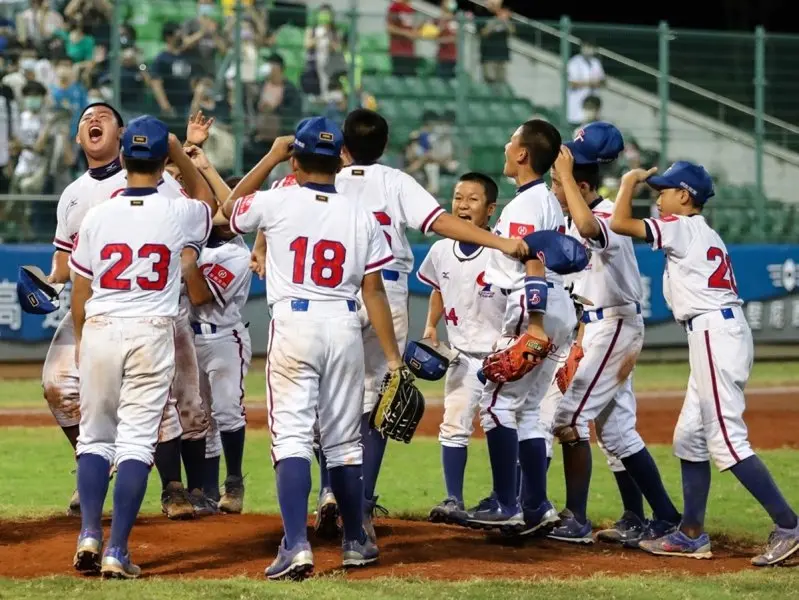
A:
[(621, 446), (491, 418), (454, 434), (569, 434), (292, 449), (105, 450), (690, 444), (453, 441), (350, 453), (134, 451)]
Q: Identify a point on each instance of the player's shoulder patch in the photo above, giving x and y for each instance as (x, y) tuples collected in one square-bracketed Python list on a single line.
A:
[(519, 230), (602, 215), (245, 203), (218, 274), (669, 218)]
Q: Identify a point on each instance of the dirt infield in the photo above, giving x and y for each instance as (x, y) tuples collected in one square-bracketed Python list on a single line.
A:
[(228, 546), (772, 417)]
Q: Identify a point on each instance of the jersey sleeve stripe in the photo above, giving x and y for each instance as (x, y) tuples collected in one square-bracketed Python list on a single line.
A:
[(233, 217), (73, 264), (604, 228), (217, 293), (656, 230), (62, 245), (371, 267), (194, 246), (424, 279), (431, 218)]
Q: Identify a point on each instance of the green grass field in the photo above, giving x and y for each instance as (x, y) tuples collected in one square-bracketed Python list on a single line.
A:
[(649, 377), (37, 469)]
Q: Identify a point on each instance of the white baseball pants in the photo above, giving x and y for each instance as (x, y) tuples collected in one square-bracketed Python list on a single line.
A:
[(462, 392)]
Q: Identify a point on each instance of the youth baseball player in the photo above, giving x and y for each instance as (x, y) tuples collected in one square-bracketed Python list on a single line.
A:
[(99, 133), (601, 387), (218, 285), (322, 248), (699, 285), (472, 311), (509, 412), (126, 261)]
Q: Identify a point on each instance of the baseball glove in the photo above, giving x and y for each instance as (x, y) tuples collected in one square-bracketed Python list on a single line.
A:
[(399, 408), (566, 373), (515, 361)]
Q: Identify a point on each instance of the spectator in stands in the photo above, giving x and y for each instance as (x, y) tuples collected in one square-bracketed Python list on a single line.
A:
[(592, 111), (279, 104), (203, 39), (78, 44), (494, 44), (95, 15), (23, 71), (323, 45), (67, 93), (37, 24), (211, 102), (586, 77), (9, 129), (447, 58), (170, 75), (402, 32), (420, 161), (8, 34)]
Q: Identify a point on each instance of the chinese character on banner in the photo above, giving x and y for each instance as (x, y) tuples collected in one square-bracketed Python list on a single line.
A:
[(776, 314), (646, 292), (10, 310), (795, 314), (754, 314), (52, 320)]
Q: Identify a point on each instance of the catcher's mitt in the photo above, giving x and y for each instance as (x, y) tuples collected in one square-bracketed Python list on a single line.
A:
[(515, 361), (566, 373), (399, 408)]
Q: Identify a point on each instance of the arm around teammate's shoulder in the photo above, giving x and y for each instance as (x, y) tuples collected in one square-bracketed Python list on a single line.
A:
[(196, 287), (622, 221)]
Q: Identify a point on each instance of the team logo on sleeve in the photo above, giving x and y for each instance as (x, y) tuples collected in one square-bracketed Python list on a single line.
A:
[(519, 230), (218, 274), (485, 288), (245, 203)]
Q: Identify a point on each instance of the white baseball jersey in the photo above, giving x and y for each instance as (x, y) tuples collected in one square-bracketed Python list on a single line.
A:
[(397, 201), (698, 277), (473, 309), (287, 181), (130, 245), (321, 243), (534, 208), (86, 191), (612, 277), (226, 268)]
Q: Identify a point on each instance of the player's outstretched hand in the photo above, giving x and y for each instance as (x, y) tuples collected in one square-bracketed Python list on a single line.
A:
[(198, 129), (258, 264), (198, 157), (430, 333), (515, 248), (637, 176), (281, 148), (564, 163)]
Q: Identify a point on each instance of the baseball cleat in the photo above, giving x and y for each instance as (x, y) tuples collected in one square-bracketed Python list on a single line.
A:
[(203, 505), (116, 565), (678, 544), (490, 514), (540, 520), (571, 530), (370, 507), (326, 521), (781, 544), (232, 501), (74, 505), (653, 530), (450, 511), (175, 502), (88, 552), (628, 529), (295, 564), (359, 554)]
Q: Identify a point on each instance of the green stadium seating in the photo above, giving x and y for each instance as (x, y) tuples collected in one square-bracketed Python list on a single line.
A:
[(376, 63), (374, 43), (289, 36)]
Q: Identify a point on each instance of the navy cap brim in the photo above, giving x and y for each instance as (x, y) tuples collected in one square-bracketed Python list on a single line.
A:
[(660, 182), (579, 157), (143, 154)]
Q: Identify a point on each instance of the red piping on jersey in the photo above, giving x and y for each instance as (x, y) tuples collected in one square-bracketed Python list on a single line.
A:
[(424, 279), (270, 405), (208, 220), (237, 337), (517, 331), (659, 239), (717, 401), (430, 218), (233, 216), (216, 292), (80, 267), (379, 263), (598, 373), (604, 232), (62, 244)]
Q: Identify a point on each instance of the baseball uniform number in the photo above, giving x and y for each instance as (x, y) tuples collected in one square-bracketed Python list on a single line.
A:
[(450, 317), (722, 278), (111, 279), (327, 269)]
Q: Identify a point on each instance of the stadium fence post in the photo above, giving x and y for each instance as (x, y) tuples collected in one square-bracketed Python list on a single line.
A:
[(663, 92)]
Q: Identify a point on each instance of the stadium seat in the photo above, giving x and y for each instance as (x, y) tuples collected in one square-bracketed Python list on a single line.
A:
[(376, 63), (374, 43), (289, 36)]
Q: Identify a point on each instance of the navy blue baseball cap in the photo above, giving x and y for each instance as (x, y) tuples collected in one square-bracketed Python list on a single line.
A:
[(146, 138), (685, 175), (597, 142), (318, 135)]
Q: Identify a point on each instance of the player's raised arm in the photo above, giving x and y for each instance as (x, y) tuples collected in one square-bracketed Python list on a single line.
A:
[(622, 221), (209, 173), (581, 214), (196, 287), (457, 229), (252, 181), (196, 185)]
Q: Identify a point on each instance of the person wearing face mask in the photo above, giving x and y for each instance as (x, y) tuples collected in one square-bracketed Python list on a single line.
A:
[(586, 76), (9, 129), (171, 73), (494, 44), (38, 23), (78, 44), (34, 133), (202, 39), (447, 40), (67, 93), (323, 45), (133, 79)]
